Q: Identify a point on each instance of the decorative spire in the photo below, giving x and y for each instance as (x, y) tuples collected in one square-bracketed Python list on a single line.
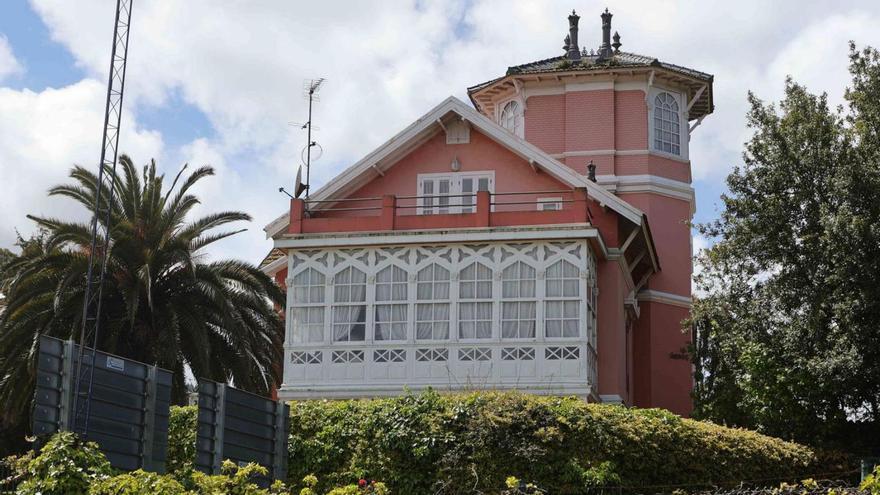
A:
[(572, 50), (605, 48), (616, 43)]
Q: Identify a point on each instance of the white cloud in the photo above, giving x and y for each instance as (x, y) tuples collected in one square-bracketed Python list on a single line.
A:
[(42, 135), (9, 66), (243, 64)]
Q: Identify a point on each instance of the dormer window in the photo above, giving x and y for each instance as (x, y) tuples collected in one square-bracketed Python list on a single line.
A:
[(667, 135), (511, 118)]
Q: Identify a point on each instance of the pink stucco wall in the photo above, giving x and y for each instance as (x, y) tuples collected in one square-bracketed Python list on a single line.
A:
[(512, 173), (653, 165), (669, 219), (661, 378), (610, 337)]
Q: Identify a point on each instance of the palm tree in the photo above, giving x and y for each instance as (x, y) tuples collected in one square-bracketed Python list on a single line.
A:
[(163, 302)]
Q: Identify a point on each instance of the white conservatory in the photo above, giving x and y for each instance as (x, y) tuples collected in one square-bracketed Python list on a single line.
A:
[(377, 320)]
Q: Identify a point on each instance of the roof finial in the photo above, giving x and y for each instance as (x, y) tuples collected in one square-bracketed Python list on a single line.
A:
[(573, 52), (605, 48), (591, 171), (617, 42)]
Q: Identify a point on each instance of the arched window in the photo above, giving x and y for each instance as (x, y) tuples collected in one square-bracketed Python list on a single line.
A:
[(562, 307), (349, 305), (511, 118), (308, 306), (475, 316), (518, 305), (667, 137), (432, 310), (391, 304)]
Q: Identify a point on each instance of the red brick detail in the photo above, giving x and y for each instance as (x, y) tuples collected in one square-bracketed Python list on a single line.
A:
[(589, 120), (545, 122), (630, 120), (297, 210)]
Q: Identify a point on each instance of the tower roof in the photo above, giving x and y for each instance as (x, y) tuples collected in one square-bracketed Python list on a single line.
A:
[(606, 60)]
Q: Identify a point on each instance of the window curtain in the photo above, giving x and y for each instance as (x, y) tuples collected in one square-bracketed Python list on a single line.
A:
[(518, 320), (432, 321), (475, 320), (432, 283), (390, 322), (562, 318)]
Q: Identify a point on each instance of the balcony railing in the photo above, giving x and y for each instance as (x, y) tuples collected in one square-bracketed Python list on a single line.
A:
[(483, 209)]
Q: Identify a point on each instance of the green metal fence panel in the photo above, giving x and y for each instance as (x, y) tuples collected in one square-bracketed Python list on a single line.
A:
[(241, 427), (129, 404)]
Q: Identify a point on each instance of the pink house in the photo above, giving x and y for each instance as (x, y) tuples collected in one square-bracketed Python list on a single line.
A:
[(537, 240)]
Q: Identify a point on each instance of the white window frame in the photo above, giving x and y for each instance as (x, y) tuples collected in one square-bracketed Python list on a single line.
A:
[(564, 300), (350, 306), (433, 302), (299, 335), (432, 206), (392, 302), (542, 204), (519, 121), (518, 300), (475, 300), (683, 136)]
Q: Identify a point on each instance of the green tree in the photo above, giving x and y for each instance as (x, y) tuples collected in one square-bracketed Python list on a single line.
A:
[(164, 303), (788, 328)]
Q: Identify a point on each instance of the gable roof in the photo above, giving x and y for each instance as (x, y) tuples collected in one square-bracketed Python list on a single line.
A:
[(428, 125)]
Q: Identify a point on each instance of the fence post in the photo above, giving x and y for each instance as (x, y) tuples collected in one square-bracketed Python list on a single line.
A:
[(484, 206), (219, 417), (67, 386), (279, 458), (150, 389), (389, 205)]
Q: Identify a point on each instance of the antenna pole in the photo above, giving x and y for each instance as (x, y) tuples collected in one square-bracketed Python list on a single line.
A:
[(312, 87), (309, 142)]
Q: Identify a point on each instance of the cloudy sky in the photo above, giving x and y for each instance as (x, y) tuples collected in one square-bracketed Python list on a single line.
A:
[(217, 82)]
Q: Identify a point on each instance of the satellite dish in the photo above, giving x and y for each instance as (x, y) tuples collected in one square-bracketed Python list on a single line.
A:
[(298, 186)]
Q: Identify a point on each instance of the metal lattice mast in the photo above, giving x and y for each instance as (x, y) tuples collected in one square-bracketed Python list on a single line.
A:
[(101, 220)]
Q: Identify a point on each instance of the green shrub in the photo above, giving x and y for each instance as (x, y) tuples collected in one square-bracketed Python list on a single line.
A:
[(431, 443), (138, 483), (182, 426), (234, 480), (66, 465), (871, 483)]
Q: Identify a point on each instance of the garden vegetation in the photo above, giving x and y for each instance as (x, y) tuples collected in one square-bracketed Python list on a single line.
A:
[(432, 443)]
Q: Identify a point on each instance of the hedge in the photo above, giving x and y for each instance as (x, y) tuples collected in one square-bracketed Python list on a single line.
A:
[(433, 443)]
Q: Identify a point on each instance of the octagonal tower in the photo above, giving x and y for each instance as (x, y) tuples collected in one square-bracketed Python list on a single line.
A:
[(624, 121)]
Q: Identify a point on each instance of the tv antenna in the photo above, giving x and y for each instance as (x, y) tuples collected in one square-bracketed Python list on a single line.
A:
[(310, 91)]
